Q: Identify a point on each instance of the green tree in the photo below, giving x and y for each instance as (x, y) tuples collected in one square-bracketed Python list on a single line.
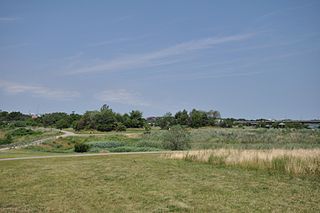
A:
[(198, 118), (182, 117), (62, 123), (136, 120), (166, 121)]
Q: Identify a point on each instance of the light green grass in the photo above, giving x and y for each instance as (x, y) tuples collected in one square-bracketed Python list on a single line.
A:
[(203, 138), (147, 183), (42, 133), (16, 153), (252, 138)]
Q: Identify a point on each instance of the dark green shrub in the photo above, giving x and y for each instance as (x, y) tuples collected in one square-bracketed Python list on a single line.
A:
[(81, 147), (105, 127), (6, 140), (23, 131)]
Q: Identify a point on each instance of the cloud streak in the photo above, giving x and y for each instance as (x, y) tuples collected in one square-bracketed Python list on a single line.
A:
[(121, 96), (37, 91), (8, 19), (152, 58)]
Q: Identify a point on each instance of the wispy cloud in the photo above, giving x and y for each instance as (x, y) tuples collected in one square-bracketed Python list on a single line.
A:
[(228, 69), (121, 96), (8, 19), (37, 91), (152, 58), (14, 46), (116, 41)]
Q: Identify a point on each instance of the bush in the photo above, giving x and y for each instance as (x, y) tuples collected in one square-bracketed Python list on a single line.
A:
[(6, 140), (81, 147), (177, 138), (23, 131), (147, 129), (119, 127)]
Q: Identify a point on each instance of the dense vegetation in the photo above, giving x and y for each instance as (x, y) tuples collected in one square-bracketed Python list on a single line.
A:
[(12, 133), (179, 138), (106, 119)]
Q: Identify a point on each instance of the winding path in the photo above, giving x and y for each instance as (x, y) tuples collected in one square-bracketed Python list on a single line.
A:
[(40, 141)]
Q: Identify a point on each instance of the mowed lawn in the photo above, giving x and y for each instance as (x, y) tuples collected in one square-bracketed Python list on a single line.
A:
[(147, 183)]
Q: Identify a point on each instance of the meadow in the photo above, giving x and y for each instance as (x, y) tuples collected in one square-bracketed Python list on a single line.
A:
[(202, 138), (148, 183), (234, 169)]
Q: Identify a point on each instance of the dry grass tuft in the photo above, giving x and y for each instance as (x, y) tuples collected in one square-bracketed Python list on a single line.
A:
[(294, 162)]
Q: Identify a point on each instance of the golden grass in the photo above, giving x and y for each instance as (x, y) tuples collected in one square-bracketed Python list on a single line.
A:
[(295, 162)]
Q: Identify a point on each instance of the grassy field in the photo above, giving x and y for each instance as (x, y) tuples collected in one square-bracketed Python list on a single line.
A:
[(254, 138), (203, 138), (148, 183), (17, 153)]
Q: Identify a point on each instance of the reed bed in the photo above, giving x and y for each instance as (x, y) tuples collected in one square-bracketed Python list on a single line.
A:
[(293, 162), (254, 138)]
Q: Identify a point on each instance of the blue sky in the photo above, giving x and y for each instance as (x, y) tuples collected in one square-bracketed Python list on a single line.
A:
[(247, 59)]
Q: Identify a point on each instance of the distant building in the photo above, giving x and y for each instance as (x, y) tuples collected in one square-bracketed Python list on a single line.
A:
[(34, 116)]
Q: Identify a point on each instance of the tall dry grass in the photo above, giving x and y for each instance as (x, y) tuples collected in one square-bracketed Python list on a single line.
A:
[(294, 162)]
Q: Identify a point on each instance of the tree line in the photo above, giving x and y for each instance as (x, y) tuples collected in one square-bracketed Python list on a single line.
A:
[(105, 119), (193, 119)]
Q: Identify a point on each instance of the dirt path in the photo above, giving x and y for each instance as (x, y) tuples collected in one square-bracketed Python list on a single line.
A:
[(37, 142), (83, 155), (65, 134)]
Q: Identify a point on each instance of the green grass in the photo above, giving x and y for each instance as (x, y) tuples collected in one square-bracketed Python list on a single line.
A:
[(112, 142), (252, 138), (147, 183), (39, 133), (128, 130), (16, 153), (203, 138)]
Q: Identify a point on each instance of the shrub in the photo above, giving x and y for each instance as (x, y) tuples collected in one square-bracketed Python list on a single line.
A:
[(119, 127), (147, 128), (81, 147), (23, 131), (6, 140), (177, 138)]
